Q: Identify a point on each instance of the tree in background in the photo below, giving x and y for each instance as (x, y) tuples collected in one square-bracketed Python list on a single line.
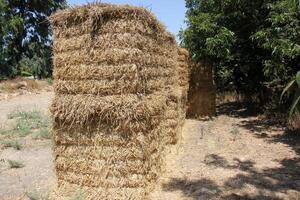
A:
[(25, 36), (253, 45), (280, 37)]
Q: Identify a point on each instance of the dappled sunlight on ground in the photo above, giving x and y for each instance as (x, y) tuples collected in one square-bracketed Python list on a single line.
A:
[(237, 155)]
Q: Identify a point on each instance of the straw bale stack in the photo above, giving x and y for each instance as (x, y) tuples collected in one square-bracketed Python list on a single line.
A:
[(114, 71), (176, 103), (202, 92), (184, 73)]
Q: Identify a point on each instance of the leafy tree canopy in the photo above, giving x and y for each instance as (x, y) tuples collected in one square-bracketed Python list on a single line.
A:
[(25, 35), (253, 45)]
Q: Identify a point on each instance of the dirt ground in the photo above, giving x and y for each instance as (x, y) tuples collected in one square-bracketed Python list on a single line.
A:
[(237, 155)]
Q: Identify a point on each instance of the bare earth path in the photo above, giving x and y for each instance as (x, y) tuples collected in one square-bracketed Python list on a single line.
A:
[(232, 157), (235, 156), (37, 173), (29, 101)]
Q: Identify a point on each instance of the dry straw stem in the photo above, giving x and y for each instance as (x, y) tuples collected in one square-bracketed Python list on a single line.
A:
[(177, 102), (116, 79), (111, 57), (66, 190), (94, 17), (202, 91), (110, 72), (184, 73), (105, 87), (126, 112), (111, 40)]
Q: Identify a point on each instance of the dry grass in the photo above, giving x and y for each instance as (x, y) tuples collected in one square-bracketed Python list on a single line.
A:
[(12, 86), (10, 143), (33, 123), (9, 86), (227, 97), (32, 85)]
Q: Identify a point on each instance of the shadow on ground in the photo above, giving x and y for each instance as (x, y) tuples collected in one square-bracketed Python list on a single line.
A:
[(268, 182), (253, 117), (238, 109)]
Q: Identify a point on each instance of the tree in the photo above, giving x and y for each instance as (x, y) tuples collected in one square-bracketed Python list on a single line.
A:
[(23, 25), (280, 37), (253, 45)]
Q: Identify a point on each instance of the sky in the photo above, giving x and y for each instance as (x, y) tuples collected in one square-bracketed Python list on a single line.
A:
[(170, 13)]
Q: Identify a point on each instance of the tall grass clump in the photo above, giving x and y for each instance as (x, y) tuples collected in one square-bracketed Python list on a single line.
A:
[(29, 122)]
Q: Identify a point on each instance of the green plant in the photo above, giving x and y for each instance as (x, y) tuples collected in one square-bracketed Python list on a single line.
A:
[(25, 42), (50, 81), (33, 195), (42, 133), (235, 132), (78, 196), (28, 122), (14, 144), (253, 46), (293, 88), (15, 164), (3, 131)]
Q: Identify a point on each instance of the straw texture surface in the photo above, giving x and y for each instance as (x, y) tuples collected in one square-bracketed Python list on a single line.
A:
[(117, 100), (202, 92)]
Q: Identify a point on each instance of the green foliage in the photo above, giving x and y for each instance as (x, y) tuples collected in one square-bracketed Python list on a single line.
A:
[(50, 81), (25, 34), (294, 88), (280, 37), (253, 45), (235, 132), (219, 32), (29, 122), (42, 133), (35, 195), (15, 164), (14, 144)]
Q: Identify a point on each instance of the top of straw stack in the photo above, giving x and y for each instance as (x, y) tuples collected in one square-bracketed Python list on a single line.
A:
[(99, 13)]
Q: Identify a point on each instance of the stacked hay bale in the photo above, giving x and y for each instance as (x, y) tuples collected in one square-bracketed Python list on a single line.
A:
[(183, 71), (177, 100), (114, 67), (172, 120), (202, 92)]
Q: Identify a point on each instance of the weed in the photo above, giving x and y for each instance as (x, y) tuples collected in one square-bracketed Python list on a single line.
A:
[(15, 164), (23, 114), (50, 81), (22, 127), (78, 196), (34, 195), (32, 84), (42, 133), (3, 131), (202, 131), (9, 86), (29, 121), (235, 132), (14, 144)]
